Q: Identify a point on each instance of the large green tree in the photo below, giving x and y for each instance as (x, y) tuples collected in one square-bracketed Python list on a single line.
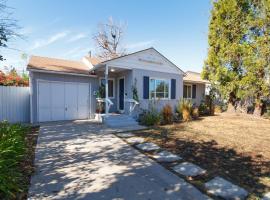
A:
[(257, 58), (227, 30), (238, 58)]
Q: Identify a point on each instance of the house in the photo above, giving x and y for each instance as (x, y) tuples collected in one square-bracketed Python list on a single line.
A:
[(68, 90), (194, 87)]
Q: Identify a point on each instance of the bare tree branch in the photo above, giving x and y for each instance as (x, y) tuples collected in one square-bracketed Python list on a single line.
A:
[(108, 40)]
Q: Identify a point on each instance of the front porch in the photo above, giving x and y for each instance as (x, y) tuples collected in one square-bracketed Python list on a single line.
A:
[(114, 98)]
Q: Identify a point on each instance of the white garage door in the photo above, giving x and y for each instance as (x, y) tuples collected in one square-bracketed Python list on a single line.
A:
[(63, 101)]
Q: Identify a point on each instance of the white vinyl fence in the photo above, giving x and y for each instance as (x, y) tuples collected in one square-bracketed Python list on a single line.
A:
[(15, 104)]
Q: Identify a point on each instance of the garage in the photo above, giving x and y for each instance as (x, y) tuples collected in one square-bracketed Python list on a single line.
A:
[(62, 100)]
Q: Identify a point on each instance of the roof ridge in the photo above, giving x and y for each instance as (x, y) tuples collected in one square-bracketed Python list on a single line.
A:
[(46, 57)]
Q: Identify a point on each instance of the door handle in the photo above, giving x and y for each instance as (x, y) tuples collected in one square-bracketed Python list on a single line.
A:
[(65, 109)]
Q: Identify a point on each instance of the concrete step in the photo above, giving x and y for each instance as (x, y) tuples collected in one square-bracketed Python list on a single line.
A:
[(120, 121)]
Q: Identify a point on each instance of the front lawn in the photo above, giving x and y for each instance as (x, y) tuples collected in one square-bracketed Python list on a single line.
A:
[(236, 147), (17, 145)]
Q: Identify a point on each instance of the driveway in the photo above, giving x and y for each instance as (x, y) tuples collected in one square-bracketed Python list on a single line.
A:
[(82, 160)]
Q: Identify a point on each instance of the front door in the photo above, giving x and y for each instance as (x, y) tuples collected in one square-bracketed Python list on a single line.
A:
[(121, 93)]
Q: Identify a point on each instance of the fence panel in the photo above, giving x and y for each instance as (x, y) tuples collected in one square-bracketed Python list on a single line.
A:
[(15, 104)]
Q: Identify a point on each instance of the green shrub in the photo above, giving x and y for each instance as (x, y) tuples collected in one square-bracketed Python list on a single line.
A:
[(12, 149), (150, 117), (203, 109), (195, 113), (185, 108), (217, 109), (167, 114)]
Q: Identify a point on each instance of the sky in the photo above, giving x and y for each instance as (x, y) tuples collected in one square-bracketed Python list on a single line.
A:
[(64, 28)]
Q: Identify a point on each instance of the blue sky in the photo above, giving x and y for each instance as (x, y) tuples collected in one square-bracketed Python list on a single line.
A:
[(64, 29)]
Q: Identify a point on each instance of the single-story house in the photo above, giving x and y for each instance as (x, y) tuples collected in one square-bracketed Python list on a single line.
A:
[(68, 90), (194, 87)]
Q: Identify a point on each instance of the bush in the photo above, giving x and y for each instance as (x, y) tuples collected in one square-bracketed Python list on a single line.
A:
[(203, 109), (150, 118), (217, 109), (167, 114), (195, 113), (185, 107), (12, 149)]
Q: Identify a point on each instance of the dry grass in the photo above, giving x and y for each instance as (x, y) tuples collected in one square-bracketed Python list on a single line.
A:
[(236, 147)]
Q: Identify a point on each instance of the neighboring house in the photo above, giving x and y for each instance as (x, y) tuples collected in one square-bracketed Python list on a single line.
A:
[(194, 87), (67, 90)]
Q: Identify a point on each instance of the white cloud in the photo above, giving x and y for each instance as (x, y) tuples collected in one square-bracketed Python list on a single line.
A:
[(77, 37), (45, 42), (77, 52), (140, 44)]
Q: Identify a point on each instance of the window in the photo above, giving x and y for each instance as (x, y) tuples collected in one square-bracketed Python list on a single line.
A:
[(159, 89), (187, 91), (110, 86)]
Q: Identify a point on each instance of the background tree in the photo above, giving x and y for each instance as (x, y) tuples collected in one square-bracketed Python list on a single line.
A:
[(8, 26), (224, 64), (108, 40)]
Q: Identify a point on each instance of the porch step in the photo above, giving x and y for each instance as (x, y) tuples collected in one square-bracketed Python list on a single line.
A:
[(120, 121)]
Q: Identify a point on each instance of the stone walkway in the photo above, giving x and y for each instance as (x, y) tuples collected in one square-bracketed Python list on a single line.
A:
[(218, 186), (84, 161)]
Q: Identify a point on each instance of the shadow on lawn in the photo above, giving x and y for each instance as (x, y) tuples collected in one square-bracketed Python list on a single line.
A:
[(250, 172)]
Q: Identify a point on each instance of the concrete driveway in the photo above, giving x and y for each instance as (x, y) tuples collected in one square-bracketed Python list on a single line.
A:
[(82, 160)]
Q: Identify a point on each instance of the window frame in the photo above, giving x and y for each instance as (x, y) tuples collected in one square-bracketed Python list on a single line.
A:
[(113, 80), (160, 79), (188, 85)]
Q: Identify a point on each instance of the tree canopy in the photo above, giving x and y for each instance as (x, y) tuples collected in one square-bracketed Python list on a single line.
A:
[(238, 58)]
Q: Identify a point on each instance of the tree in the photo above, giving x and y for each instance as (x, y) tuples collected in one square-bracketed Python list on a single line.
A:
[(108, 40), (224, 64), (257, 58), (7, 26)]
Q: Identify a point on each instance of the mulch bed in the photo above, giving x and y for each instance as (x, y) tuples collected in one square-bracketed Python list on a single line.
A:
[(27, 165)]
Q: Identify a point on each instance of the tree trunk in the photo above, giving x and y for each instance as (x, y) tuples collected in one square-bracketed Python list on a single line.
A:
[(258, 108), (231, 103)]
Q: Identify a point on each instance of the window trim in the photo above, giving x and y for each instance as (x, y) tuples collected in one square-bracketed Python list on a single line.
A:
[(189, 85), (113, 79), (169, 89)]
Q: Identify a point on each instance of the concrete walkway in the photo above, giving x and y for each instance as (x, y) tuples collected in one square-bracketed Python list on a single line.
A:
[(84, 161)]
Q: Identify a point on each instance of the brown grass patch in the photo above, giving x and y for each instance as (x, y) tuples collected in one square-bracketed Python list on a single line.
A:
[(236, 147)]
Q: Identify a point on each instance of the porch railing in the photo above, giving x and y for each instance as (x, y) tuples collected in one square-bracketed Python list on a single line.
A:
[(132, 104)]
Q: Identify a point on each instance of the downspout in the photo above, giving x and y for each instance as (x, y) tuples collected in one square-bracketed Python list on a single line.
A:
[(106, 91)]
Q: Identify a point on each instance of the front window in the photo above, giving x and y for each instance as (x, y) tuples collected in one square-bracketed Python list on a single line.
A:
[(187, 92), (110, 87), (159, 89)]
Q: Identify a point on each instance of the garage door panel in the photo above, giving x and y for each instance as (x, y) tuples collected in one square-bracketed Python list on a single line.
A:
[(44, 101), (71, 96), (44, 114), (44, 94), (58, 99), (83, 101)]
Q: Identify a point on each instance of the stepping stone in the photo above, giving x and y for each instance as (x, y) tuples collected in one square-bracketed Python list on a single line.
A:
[(266, 196), (135, 140), (188, 169), (166, 156), (149, 146), (125, 135), (225, 189)]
